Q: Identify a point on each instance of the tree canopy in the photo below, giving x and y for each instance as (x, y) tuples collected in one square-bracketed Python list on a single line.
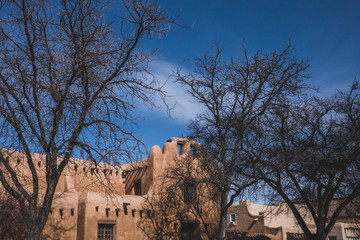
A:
[(236, 95), (69, 79)]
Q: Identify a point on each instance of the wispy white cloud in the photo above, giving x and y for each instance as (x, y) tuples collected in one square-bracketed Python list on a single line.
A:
[(185, 108)]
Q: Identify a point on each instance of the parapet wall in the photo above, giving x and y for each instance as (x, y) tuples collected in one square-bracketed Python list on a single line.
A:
[(90, 193)]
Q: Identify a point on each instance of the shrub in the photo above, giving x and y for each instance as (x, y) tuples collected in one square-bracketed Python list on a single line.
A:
[(240, 236)]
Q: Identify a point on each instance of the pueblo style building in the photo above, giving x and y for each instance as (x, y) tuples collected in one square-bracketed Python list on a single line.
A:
[(278, 223), (138, 200), (159, 197)]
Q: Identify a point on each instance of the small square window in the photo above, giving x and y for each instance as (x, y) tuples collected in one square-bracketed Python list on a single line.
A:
[(105, 231)]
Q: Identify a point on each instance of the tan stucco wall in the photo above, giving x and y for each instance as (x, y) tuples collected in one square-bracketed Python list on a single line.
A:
[(275, 221), (88, 194), (251, 218)]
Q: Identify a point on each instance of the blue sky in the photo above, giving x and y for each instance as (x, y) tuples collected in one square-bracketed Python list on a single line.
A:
[(325, 32)]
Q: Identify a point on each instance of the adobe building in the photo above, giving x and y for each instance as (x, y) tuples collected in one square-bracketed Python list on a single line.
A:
[(278, 223), (103, 201)]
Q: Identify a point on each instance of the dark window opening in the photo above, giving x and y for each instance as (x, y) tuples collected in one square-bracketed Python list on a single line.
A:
[(137, 188), (189, 192), (232, 219), (190, 231), (295, 236), (105, 232)]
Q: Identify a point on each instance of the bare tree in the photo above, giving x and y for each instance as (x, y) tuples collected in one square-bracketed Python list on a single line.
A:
[(308, 153), (11, 224), (236, 94), (181, 197), (69, 78)]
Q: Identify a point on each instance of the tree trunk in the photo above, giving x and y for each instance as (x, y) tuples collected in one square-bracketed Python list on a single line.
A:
[(34, 233), (320, 233), (35, 227), (223, 215)]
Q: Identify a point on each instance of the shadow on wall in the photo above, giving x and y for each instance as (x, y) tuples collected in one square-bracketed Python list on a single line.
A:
[(57, 229)]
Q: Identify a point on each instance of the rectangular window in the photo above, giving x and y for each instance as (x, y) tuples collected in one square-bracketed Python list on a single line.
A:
[(137, 188), (189, 192), (105, 231), (190, 231), (295, 236), (232, 218)]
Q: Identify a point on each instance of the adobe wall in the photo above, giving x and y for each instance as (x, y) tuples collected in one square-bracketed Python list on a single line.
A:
[(275, 221), (253, 221), (177, 157), (79, 175), (88, 194)]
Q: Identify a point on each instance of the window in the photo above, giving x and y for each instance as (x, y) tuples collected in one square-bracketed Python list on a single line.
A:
[(295, 236), (105, 232), (190, 231), (232, 218), (189, 192), (137, 188)]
